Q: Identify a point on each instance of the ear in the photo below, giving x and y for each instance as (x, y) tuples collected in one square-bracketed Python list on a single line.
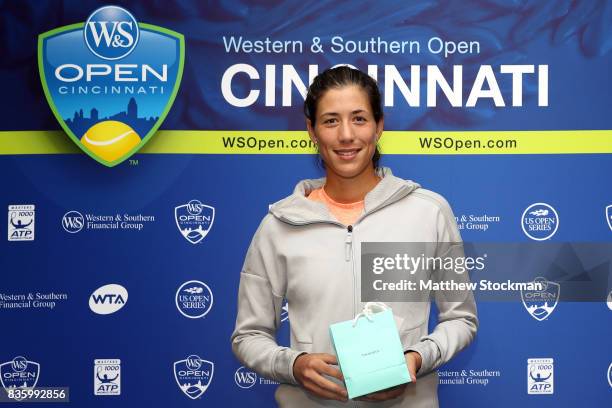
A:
[(379, 128), (311, 132)]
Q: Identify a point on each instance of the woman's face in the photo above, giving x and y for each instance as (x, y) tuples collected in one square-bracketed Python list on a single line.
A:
[(345, 131)]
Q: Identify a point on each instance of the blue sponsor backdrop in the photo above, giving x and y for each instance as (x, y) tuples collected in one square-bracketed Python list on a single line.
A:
[(149, 334)]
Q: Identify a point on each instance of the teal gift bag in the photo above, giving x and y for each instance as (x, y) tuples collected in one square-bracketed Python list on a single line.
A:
[(369, 351)]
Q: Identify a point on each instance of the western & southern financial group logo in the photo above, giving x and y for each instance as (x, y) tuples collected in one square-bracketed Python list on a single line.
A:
[(110, 81)]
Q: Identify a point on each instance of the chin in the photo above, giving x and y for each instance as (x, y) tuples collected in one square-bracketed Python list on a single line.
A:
[(350, 170)]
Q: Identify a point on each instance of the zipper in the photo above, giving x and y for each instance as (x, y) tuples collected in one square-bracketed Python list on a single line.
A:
[(350, 257), (348, 247)]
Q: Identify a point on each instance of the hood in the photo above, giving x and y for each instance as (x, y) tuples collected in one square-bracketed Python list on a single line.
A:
[(297, 209)]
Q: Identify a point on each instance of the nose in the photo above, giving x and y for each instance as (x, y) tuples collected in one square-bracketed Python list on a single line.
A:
[(345, 132)]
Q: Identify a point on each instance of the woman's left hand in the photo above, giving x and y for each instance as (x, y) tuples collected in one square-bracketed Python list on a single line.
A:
[(413, 362)]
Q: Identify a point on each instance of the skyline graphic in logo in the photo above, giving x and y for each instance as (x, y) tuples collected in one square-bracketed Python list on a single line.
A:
[(21, 222), (194, 299), (541, 303), (193, 375), (110, 81), (540, 378), (540, 221), (194, 220), (19, 373)]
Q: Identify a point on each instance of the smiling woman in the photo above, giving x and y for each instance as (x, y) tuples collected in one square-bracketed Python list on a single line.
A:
[(345, 121), (307, 251)]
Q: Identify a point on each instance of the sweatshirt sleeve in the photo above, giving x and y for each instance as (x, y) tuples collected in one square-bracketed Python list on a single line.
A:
[(457, 318), (260, 296)]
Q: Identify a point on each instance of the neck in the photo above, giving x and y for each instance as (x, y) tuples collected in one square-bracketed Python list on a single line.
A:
[(353, 189)]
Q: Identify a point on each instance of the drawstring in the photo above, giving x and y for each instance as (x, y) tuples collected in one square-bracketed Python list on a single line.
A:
[(368, 311)]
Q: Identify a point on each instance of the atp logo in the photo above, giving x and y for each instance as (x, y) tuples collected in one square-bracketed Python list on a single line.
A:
[(540, 376), (115, 86), (107, 380)]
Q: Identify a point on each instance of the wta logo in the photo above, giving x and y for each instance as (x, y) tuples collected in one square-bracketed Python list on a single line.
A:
[(108, 299), (110, 81)]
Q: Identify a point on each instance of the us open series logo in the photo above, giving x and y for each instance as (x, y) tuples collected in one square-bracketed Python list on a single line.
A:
[(111, 80)]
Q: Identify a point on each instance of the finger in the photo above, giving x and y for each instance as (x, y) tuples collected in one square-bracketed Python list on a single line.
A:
[(326, 384), (329, 358), (366, 399), (331, 371), (412, 372), (384, 395), (322, 392)]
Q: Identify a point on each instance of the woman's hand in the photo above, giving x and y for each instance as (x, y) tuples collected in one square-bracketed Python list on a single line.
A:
[(308, 370), (413, 362)]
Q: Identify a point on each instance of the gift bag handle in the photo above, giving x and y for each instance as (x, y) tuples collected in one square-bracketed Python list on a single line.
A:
[(368, 311)]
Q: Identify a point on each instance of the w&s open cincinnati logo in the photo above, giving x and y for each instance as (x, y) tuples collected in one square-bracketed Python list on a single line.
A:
[(111, 80)]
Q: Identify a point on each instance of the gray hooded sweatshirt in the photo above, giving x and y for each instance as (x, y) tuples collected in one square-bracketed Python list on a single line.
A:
[(301, 253)]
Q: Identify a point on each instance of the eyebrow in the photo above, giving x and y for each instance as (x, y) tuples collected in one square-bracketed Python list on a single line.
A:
[(337, 114)]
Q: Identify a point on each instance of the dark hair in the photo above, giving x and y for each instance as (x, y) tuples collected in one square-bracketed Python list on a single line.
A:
[(339, 77)]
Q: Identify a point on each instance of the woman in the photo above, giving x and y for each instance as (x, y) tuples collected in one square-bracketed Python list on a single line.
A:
[(306, 250)]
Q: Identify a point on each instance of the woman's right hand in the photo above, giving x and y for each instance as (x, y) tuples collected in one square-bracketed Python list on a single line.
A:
[(308, 370)]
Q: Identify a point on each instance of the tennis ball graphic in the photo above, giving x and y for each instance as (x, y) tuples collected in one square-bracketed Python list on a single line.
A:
[(110, 139)]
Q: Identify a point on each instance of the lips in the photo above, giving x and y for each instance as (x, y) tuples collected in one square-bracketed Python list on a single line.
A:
[(347, 154)]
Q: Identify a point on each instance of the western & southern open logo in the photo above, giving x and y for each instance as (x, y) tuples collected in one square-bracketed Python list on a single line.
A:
[(110, 81)]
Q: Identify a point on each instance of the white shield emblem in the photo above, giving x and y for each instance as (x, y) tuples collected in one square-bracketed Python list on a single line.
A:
[(541, 303), (193, 375), (194, 220), (19, 373)]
